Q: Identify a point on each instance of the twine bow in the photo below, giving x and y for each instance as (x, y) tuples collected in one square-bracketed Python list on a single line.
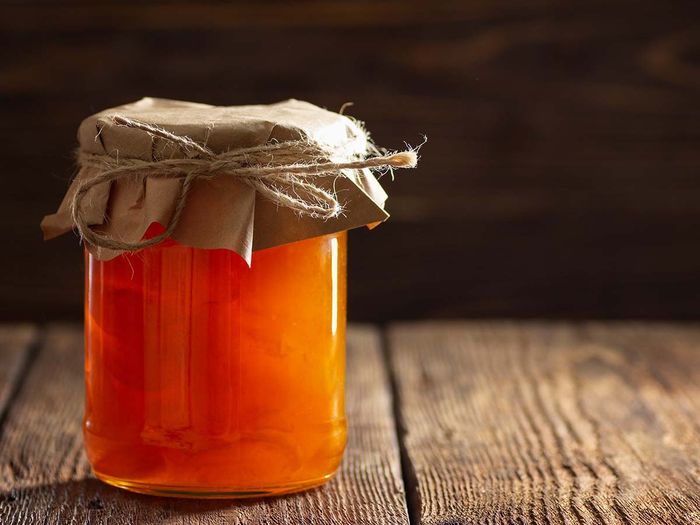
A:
[(283, 172)]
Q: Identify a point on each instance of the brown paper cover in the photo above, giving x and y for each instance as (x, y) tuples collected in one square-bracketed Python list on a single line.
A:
[(222, 212)]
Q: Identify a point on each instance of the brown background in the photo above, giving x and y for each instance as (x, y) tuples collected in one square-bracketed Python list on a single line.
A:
[(561, 177)]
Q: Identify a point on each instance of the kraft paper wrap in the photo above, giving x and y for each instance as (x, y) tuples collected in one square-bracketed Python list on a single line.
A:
[(222, 212)]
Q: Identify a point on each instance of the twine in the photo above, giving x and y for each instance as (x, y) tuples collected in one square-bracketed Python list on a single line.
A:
[(283, 172)]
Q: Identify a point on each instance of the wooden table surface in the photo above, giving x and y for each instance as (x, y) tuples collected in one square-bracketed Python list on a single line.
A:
[(450, 422)]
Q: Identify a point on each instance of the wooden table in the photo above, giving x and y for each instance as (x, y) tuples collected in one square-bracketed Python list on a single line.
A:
[(450, 422)]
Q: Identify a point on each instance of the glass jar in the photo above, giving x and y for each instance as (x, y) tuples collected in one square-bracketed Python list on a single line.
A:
[(209, 378)]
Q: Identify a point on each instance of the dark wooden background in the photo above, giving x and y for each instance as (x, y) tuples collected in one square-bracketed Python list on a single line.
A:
[(561, 177)]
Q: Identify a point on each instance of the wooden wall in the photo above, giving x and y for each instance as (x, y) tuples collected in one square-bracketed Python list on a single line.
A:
[(561, 177)]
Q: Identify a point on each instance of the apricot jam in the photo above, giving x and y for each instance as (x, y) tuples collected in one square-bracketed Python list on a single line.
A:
[(209, 378)]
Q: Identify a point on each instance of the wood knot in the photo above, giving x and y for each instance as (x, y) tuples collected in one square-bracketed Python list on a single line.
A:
[(96, 503)]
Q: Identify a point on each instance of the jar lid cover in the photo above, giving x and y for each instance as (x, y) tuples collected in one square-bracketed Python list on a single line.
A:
[(136, 158)]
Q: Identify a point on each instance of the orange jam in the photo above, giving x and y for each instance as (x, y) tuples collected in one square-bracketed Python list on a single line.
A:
[(207, 378)]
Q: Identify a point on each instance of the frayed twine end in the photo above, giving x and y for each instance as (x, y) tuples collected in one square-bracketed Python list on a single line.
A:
[(402, 159)]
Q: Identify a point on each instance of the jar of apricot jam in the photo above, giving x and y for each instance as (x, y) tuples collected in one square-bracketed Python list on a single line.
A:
[(206, 377), (215, 290)]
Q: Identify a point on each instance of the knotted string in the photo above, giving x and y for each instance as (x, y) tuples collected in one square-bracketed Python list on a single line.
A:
[(283, 172)]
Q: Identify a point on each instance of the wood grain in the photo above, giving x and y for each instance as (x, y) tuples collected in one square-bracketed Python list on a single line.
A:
[(550, 423), (45, 478), (15, 353), (560, 178)]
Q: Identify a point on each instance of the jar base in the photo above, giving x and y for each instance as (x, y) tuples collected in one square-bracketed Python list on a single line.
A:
[(175, 491)]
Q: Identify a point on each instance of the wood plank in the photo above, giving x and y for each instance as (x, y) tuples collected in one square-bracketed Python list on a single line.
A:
[(15, 346), (45, 477), (550, 423), (560, 177)]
